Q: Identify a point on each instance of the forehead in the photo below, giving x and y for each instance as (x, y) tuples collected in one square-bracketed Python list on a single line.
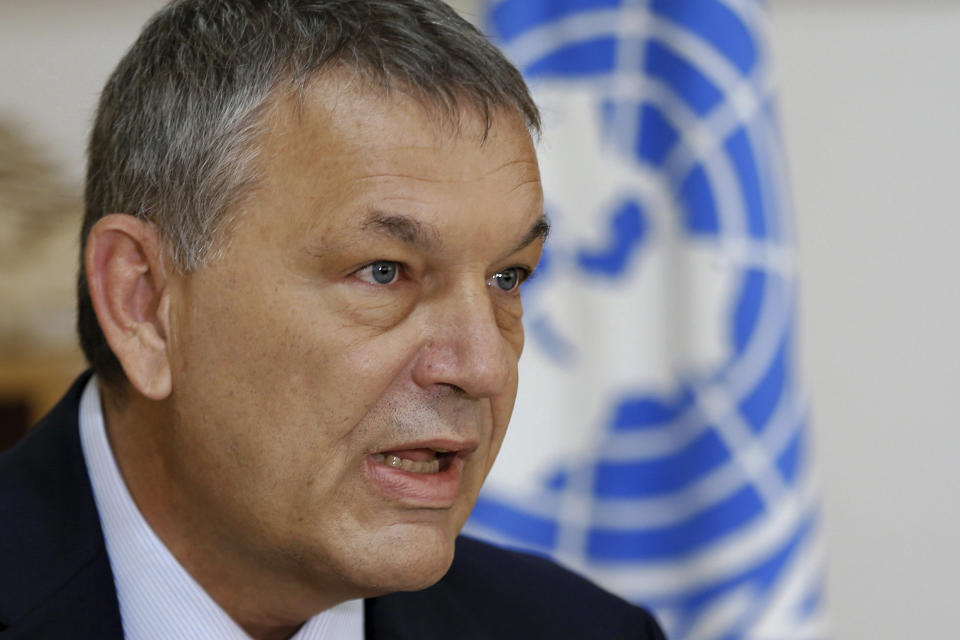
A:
[(342, 143), (340, 118)]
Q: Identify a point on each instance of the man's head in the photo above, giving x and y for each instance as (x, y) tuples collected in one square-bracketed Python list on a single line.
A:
[(307, 223), (176, 133)]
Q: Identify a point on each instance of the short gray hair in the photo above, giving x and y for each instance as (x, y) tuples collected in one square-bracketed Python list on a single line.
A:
[(175, 137)]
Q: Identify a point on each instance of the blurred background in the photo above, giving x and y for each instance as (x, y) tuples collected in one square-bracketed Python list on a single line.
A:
[(868, 94)]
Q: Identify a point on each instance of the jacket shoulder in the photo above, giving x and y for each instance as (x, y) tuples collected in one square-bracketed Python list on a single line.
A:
[(55, 579), (491, 592)]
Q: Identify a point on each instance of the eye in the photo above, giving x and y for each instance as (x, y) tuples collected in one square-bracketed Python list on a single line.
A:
[(508, 280), (380, 272)]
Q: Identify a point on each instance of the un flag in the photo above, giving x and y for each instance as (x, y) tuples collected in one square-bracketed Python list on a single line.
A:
[(659, 442)]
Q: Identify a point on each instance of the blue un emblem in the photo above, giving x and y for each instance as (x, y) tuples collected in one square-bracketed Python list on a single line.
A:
[(658, 444)]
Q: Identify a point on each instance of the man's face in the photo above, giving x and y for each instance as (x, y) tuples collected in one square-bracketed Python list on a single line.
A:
[(344, 371)]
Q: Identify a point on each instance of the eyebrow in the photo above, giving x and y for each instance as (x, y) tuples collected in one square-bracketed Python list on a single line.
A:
[(539, 231), (425, 236), (406, 229)]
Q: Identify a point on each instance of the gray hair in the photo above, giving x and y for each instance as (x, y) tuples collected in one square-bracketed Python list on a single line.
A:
[(174, 141)]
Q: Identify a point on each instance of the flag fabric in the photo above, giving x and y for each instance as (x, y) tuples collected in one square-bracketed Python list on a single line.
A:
[(659, 444)]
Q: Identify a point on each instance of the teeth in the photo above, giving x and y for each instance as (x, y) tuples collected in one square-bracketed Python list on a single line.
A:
[(429, 466)]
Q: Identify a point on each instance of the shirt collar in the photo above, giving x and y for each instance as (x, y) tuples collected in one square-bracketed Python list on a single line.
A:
[(158, 598)]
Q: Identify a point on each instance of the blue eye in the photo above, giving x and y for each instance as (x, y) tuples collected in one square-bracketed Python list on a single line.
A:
[(509, 279), (380, 272)]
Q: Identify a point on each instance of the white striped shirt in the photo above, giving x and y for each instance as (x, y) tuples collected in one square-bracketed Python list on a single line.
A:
[(158, 598)]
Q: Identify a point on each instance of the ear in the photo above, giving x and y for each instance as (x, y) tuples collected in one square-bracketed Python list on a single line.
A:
[(125, 272)]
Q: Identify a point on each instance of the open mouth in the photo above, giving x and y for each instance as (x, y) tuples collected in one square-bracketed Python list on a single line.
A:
[(422, 475), (417, 460)]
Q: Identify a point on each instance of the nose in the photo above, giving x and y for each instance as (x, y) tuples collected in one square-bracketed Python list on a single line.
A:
[(464, 346)]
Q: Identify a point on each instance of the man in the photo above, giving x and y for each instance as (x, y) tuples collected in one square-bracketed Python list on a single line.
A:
[(307, 224)]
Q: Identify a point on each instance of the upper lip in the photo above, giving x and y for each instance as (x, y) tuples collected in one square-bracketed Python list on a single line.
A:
[(459, 446)]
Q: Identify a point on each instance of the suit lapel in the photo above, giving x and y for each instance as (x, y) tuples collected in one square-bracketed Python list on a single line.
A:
[(56, 580)]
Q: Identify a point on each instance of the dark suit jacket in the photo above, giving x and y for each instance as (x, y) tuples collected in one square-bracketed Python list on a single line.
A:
[(55, 578)]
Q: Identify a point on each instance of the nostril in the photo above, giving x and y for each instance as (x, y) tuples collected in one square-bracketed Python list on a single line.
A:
[(446, 389), (460, 391)]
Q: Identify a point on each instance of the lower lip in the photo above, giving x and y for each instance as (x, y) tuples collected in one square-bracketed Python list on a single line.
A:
[(421, 490)]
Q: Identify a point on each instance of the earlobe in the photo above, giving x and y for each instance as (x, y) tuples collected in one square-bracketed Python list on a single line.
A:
[(125, 272)]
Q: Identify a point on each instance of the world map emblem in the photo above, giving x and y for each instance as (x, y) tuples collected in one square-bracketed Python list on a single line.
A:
[(659, 439)]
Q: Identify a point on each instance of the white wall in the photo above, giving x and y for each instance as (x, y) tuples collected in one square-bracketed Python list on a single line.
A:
[(870, 93), (870, 98), (55, 56)]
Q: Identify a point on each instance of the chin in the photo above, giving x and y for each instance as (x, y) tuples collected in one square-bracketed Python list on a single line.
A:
[(404, 558), (417, 576)]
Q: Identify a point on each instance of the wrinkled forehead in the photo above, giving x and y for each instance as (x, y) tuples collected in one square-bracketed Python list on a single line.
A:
[(341, 138), (342, 124), (339, 115), (330, 97)]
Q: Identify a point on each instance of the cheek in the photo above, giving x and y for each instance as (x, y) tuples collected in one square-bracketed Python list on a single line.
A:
[(509, 317), (501, 409), (242, 368), (372, 308), (502, 405), (296, 361)]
